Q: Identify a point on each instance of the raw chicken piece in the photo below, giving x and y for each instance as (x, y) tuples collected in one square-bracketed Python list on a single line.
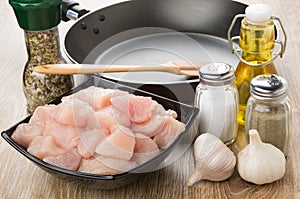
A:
[(116, 164), (74, 112), (88, 141), (43, 146), (172, 128), (136, 107), (140, 109), (106, 95), (69, 160), (92, 165), (65, 136), (43, 113), (171, 113), (121, 103), (25, 133), (150, 127), (145, 149), (96, 97), (108, 117), (158, 109), (119, 144)]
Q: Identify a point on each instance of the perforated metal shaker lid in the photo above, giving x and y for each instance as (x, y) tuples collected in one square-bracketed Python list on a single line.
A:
[(216, 74), (268, 87)]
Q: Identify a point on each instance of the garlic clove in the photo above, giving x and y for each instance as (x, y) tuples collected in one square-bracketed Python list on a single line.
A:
[(213, 160), (259, 162)]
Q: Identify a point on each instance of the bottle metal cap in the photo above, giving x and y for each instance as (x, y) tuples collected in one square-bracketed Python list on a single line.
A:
[(216, 74), (258, 13), (267, 87)]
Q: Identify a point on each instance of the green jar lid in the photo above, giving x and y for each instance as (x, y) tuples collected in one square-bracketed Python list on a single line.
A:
[(37, 14)]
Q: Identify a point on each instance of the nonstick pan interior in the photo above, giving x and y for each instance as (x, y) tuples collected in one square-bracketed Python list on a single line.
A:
[(205, 22)]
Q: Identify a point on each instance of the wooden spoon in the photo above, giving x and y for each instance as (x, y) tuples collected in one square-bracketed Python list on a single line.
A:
[(66, 69)]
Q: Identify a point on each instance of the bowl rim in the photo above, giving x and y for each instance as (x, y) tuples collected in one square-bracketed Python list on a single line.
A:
[(5, 135)]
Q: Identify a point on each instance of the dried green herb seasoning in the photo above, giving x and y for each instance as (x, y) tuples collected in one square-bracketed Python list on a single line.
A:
[(39, 20), (43, 48)]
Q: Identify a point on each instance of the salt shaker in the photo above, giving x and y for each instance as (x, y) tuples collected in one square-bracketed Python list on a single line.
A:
[(269, 110), (217, 98)]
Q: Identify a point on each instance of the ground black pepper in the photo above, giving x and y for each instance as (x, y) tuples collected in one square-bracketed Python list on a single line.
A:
[(270, 120), (269, 110)]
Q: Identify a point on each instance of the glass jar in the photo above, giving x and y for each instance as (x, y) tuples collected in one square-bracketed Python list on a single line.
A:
[(256, 42), (217, 98), (43, 47), (39, 20), (269, 110)]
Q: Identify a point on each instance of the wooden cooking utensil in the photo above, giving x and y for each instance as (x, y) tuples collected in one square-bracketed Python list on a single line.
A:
[(66, 69)]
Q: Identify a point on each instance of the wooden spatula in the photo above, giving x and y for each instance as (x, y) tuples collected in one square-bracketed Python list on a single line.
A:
[(66, 69)]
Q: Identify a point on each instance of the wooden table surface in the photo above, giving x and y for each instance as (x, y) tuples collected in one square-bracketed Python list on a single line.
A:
[(19, 178)]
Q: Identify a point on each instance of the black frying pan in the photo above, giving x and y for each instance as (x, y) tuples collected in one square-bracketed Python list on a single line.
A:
[(122, 27)]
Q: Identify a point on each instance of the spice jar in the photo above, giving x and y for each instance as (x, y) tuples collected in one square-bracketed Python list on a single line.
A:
[(217, 98), (39, 20), (269, 110), (256, 42)]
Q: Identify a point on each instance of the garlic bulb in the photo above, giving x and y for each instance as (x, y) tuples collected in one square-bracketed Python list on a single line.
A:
[(213, 159), (259, 162)]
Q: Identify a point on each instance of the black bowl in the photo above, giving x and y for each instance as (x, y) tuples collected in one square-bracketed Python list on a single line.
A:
[(186, 114)]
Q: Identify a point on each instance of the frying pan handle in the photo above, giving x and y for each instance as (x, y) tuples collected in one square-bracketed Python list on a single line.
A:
[(72, 10)]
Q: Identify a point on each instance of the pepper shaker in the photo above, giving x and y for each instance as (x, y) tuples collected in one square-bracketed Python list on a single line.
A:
[(39, 20), (217, 98), (269, 110)]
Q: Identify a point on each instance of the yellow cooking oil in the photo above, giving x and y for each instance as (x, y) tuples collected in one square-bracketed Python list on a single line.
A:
[(256, 42)]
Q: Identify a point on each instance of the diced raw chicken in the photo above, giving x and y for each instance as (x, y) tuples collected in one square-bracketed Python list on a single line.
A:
[(69, 160), (25, 133), (108, 117), (140, 109), (106, 95), (102, 131), (65, 136), (43, 113), (171, 113), (43, 146), (116, 164), (158, 109), (151, 127), (92, 165), (96, 97), (121, 103), (172, 128), (145, 149), (88, 142), (136, 107), (74, 113), (119, 144)]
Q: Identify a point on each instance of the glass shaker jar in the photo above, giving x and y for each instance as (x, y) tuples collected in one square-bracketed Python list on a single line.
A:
[(257, 49), (269, 110), (217, 98), (39, 20)]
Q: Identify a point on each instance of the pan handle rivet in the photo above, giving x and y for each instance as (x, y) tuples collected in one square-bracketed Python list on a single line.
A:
[(83, 26), (101, 17), (96, 30)]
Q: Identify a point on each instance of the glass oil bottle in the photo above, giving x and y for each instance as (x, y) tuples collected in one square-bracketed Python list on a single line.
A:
[(256, 41)]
